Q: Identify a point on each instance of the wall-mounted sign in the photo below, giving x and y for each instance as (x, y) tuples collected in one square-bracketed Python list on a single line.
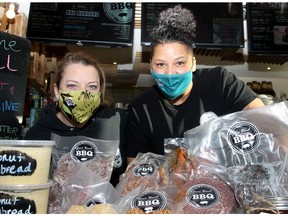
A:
[(82, 23)]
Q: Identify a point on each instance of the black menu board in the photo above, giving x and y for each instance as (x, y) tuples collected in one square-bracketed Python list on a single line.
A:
[(218, 24), (14, 64), (82, 23), (267, 28)]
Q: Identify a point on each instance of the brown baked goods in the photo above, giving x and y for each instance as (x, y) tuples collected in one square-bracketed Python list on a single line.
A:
[(93, 209)]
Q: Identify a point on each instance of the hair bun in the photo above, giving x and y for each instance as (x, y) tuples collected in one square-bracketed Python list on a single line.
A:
[(175, 24)]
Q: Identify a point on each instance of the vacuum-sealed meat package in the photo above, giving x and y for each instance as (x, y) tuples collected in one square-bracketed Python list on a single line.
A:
[(147, 201), (180, 166), (183, 167), (145, 171), (255, 185), (71, 154), (205, 195), (246, 137)]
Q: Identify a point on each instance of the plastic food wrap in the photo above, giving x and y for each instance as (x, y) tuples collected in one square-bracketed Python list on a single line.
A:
[(180, 166), (205, 195), (255, 184), (252, 146), (86, 188), (199, 185), (246, 137), (70, 155), (145, 171), (148, 201), (183, 167), (146, 194)]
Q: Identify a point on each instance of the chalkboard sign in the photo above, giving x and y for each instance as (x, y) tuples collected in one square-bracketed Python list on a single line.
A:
[(218, 24), (82, 23), (267, 28), (14, 64)]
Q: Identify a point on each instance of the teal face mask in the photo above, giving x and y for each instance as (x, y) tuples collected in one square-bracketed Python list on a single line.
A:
[(172, 85)]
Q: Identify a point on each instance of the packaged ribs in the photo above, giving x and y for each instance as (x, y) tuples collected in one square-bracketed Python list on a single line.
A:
[(145, 171)]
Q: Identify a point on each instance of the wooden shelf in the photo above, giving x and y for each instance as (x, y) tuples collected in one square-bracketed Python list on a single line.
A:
[(40, 88)]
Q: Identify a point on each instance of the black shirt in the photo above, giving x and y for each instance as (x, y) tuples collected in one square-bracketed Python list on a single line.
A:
[(151, 118), (106, 124)]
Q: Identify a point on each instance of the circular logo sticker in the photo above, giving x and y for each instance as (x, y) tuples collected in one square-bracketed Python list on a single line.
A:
[(91, 202), (202, 196), (83, 151), (207, 116), (144, 170), (243, 137), (149, 201), (119, 12)]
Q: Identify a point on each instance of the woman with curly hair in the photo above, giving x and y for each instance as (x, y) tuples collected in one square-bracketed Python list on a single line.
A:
[(182, 93)]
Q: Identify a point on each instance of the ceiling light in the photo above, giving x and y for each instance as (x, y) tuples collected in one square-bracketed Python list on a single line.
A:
[(268, 68), (11, 12)]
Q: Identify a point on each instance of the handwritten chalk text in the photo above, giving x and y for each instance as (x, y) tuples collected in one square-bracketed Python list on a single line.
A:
[(9, 45), (9, 106), (3, 210), (8, 129), (4, 86), (7, 65)]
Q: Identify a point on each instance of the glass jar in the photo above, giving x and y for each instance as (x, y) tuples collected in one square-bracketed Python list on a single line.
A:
[(254, 85), (264, 85), (269, 85), (249, 84)]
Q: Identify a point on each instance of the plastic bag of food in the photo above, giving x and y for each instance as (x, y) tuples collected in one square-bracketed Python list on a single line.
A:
[(70, 154), (146, 170), (179, 164), (204, 195), (246, 137), (148, 201), (255, 184), (86, 188), (182, 167)]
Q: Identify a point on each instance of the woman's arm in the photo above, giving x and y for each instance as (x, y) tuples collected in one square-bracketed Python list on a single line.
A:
[(254, 104)]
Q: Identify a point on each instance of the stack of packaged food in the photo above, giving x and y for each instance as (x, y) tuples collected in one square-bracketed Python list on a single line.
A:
[(24, 176)]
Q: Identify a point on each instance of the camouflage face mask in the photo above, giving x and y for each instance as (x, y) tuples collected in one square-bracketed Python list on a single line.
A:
[(79, 105)]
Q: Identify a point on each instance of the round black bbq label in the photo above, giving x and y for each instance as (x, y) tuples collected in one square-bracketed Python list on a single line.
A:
[(243, 137), (91, 202), (202, 196), (149, 201), (144, 170), (83, 151)]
